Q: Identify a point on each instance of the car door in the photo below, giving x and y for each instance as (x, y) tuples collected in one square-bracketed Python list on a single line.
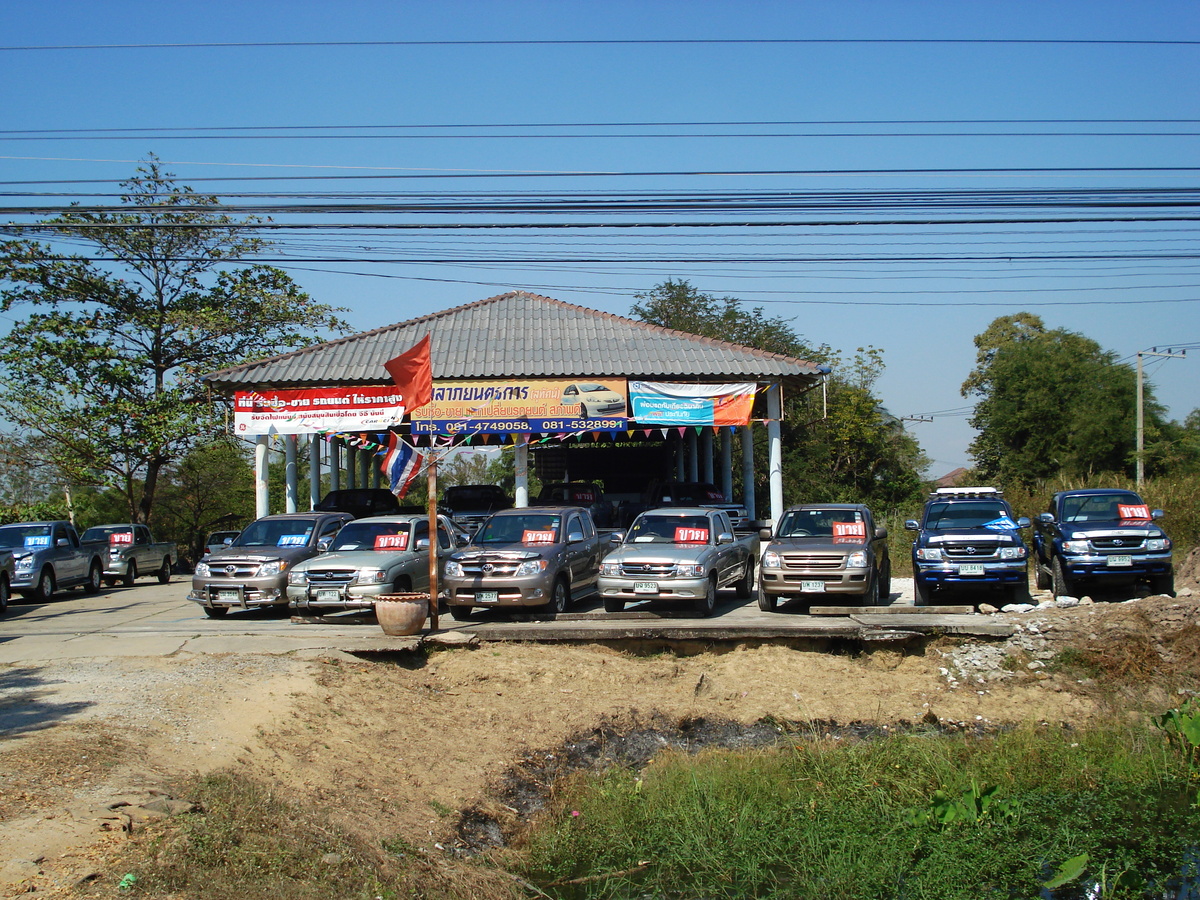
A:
[(69, 563)]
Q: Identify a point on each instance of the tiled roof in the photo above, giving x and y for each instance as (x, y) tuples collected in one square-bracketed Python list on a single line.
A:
[(521, 335)]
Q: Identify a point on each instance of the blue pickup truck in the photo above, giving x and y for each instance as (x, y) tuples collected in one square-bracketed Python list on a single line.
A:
[(1101, 536), (969, 540)]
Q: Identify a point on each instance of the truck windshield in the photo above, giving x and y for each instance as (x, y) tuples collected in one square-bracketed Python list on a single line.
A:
[(1098, 507), (275, 533), (821, 523), (16, 537), (533, 528), (104, 532), (669, 530), (372, 536), (965, 514)]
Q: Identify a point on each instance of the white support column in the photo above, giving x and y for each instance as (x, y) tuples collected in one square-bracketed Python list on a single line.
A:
[(706, 454), (521, 473), (314, 470), (775, 449), (290, 475), (747, 436), (693, 456), (335, 464), (262, 505), (727, 464)]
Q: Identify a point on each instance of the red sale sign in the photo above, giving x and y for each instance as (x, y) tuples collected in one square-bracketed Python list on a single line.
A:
[(121, 537), (531, 536), (392, 541), (1133, 512), (691, 535), (849, 529)]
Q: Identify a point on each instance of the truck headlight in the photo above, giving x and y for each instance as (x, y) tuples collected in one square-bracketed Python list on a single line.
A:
[(274, 567), (530, 567), (930, 553), (1158, 544), (372, 576), (857, 560), (202, 570), (296, 576), (25, 564), (1012, 552), (770, 560), (453, 568), (1075, 546), (610, 568), (689, 570)]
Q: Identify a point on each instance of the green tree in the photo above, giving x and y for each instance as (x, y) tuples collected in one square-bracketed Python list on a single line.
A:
[(107, 362), (209, 489), (1050, 402)]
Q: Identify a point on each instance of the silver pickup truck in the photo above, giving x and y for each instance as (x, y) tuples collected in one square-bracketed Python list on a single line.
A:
[(542, 556), (679, 553), (48, 556), (370, 556), (132, 551)]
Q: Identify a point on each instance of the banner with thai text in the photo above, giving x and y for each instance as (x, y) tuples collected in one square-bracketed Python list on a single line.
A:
[(665, 403), (524, 406), (316, 410)]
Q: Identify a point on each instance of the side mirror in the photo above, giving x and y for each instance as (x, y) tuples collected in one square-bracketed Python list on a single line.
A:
[(228, 542), (764, 534), (1023, 522), (911, 525), (724, 538), (323, 543), (617, 537), (62, 542), (423, 543), (881, 533), (1156, 514), (574, 537), (1046, 518)]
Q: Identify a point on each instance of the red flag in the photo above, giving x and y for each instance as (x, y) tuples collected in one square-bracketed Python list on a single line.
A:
[(413, 373)]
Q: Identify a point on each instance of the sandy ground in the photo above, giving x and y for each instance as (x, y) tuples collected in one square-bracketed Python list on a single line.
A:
[(401, 744)]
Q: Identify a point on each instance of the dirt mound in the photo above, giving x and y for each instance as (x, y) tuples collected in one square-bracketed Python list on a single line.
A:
[(1188, 574)]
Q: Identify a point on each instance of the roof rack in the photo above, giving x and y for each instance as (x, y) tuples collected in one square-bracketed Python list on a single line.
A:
[(966, 492)]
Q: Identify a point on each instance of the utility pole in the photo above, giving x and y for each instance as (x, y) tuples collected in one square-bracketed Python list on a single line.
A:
[(1153, 351)]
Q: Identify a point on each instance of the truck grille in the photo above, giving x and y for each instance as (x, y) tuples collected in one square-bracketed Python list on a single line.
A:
[(489, 568), (969, 550), (648, 570), (235, 569), (813, 561), (1117, 544), (330, 577)]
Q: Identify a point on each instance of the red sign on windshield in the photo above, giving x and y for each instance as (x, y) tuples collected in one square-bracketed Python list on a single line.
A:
[(849, 529), (1133, 512), (392, 541), (121, 537), (691, 535), (531, 536)]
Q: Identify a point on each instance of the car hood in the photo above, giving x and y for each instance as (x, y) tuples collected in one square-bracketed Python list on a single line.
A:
[(817, 544), (661, 553), (231, 554), (1116, 527), (359, 559), (509, 551)]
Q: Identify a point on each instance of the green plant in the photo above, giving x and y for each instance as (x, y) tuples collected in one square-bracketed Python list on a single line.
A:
[(975, 804)]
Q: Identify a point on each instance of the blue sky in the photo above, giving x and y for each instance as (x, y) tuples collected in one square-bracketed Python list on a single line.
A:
[(852, 99)]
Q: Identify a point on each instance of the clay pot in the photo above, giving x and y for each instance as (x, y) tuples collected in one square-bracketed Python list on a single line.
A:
[(400, 614)]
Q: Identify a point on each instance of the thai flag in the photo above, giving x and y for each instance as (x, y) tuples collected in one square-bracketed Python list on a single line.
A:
[(400, 464)]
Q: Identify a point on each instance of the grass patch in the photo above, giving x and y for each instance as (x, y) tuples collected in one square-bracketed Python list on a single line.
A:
[(909, 816)]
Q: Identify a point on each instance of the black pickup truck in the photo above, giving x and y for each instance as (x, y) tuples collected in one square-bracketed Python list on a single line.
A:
[(1101, 536)]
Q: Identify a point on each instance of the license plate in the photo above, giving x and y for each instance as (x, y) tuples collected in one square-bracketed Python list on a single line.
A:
[(232, 597), (1120, 560), (328, 596), (645, 587), (970, 569), (487, 596), (812, 587)]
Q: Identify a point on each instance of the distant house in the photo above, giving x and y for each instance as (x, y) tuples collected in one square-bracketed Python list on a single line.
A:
[(952, 479)]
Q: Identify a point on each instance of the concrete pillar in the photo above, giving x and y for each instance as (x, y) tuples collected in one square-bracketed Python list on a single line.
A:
[(747, 435), (314, 470), (290, 475), (335, 464), (706, 455), (680, 460), (693, 455), (351, 467), (775, 449), (262, 505), (727, 464), (521, 473), (364, 466)]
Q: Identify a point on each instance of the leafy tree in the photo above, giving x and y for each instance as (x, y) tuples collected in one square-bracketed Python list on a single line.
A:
[(840, 444), (1051, 402), (106, 365), (209, 489)]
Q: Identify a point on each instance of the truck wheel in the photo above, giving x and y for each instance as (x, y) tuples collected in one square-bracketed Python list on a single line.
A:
[(871, 597), (216, 612), (921, 596), (1163, 584), (5, 593), (885, 584), (1060, 582), (45, 588), (130, 575), (164, 571), (766, 602), (560, 597), (706, 604), (1041, 577), (92, 585), (614, 604), (460, 613), (745, 585)]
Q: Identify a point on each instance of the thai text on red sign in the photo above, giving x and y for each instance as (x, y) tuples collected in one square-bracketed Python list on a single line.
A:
[(691, 535), (1133, 512), (121, 537), (392, 541), (532, 536), (849, 529)]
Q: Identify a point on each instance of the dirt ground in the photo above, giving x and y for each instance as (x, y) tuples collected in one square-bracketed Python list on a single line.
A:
[(433, 748)]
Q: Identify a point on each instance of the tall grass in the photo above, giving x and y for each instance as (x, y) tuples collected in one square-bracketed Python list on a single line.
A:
[(870, 819)]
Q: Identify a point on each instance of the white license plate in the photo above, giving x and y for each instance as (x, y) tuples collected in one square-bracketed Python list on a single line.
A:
[(1120, 560), (487, 596), (812, 587), (645, 587), (970, 569), (328, 596), (234, 597)]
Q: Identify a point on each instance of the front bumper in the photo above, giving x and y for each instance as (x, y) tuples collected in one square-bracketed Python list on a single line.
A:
[(244, 594), (665, 588), (532, 590), (781, 583), (355, 596), (995, 574), (1142, 565)]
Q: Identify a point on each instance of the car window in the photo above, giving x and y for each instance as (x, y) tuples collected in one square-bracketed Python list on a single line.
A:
[(276, 533), (25, 536), (515, 529), (964, 514)]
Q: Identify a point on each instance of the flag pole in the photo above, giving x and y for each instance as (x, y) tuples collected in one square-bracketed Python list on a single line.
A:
[(434, 543)]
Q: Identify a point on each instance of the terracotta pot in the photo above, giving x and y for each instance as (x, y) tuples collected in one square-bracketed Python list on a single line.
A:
[(400, 614)]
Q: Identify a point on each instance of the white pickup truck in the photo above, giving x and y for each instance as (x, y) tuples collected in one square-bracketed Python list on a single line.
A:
[(132, 551)]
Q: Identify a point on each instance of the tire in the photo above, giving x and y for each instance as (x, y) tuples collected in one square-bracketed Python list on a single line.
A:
[(706, 604), (745, 585), (460, 613), (1061, 583), (871, 597), (1040, 576), (614, 604), (560, 597), (130, 575), (1163, 584), (164, 571), (92, 585), (45, 587), (5, 593), (766, 602), (921, 596), (216, 612), (885, 584)]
